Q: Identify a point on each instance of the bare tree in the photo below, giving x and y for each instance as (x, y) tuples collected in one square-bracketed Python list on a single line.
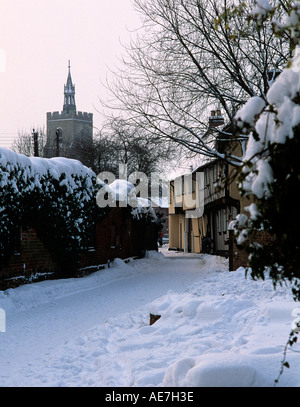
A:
[(192, 57), (25, 142), (122, 142)]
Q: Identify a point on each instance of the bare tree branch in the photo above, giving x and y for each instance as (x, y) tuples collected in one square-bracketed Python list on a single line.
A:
[(190, 58)]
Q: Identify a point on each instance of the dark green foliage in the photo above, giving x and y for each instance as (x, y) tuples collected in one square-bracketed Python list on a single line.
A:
[(14, 186), (280, 217), (60, 203), (63, 211)]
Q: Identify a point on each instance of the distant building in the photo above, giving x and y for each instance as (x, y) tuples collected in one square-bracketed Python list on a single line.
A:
[(69, 133)]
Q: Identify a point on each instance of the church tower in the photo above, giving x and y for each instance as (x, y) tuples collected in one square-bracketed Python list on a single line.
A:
[(69, 133), (69, 94)]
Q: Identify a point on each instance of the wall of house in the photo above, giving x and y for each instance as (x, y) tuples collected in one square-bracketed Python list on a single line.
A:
[(222, 204), (213, 188), (233, 186), (176, 231), (172, 200), (199, 230), (189, 193), (221, 232), (196, 230)]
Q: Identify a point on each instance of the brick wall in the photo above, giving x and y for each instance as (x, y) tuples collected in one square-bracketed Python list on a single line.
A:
[(119, 236), (238, 257), (32, 261), (116, 236), (111, 240)]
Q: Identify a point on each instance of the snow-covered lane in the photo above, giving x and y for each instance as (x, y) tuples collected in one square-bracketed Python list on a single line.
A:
[(42, 317), (217, 328)]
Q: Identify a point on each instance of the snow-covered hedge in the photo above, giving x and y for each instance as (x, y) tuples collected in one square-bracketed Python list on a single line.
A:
[(55, 195)]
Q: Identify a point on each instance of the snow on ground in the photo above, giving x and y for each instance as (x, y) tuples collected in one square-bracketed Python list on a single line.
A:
[(217, 328)]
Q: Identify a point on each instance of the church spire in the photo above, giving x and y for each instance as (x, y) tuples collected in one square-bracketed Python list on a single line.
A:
[(69, 93)]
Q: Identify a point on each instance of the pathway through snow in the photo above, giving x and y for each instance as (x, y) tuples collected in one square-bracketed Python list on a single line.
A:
[(217, 328), (41, 318)]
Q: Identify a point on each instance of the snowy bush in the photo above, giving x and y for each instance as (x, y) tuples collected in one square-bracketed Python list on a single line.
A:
[(56, 196), (271, 170)]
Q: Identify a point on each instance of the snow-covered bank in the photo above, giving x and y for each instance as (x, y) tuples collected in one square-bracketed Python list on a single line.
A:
[(216, 328)]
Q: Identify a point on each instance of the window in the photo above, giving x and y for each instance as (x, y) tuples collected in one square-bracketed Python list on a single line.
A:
[(207, 178), (224, 221), (178, 186), (223, 171), (215, 172), (188, 184), (194, 185), (219, 215)]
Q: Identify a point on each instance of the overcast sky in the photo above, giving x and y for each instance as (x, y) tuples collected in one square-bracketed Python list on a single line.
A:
[(38, 37)]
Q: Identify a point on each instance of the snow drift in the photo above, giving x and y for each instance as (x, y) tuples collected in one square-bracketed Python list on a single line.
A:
[(217, 328)]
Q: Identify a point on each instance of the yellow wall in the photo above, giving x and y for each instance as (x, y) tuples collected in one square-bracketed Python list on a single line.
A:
[(199, 231), (176, 231), (173, 231)]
